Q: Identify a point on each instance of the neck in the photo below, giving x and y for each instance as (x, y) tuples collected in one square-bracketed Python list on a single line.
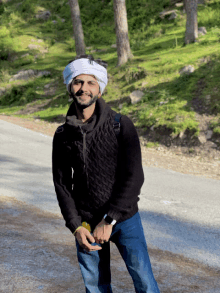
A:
[(86, 113)]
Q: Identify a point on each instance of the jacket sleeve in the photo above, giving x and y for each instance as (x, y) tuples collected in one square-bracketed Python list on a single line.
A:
[(130, 175), (62, 178)]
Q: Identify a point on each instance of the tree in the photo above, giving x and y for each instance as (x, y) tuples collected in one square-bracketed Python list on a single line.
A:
[(77, 27), (121, 27), (191, 34)]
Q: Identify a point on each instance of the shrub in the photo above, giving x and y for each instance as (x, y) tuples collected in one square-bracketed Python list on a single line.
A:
[(18, 95), (7, 45)]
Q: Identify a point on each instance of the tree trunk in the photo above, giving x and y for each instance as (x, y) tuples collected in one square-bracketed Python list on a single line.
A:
[(77, 27), (121, 26), (191, 34)]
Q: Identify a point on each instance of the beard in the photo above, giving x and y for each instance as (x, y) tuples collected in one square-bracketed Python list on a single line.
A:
[(81, 104)]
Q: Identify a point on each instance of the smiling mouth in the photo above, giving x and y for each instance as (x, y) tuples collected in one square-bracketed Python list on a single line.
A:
[(84, 96), (87, 95)]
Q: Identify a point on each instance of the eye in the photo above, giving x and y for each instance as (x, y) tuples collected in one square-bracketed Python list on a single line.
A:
[(76, 82), (92, 83)]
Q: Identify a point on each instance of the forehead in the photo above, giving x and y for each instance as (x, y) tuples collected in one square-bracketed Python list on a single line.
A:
[(86, 77)]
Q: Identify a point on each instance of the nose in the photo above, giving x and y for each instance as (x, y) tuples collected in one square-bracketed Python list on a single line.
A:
[(84, 87)]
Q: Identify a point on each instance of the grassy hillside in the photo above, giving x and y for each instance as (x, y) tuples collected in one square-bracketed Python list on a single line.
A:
[(171, 104)]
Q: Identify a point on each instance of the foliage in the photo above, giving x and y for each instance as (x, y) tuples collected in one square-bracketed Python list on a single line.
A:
[(7, 45), (19, 95), (159, 54), (215, 125)]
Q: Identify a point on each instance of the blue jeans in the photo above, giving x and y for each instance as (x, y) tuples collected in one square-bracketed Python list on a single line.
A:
[(129, 238)]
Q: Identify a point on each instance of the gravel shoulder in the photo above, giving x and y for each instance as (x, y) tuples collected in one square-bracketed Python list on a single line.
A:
[(38, 252), (161, 157), (39, 255)]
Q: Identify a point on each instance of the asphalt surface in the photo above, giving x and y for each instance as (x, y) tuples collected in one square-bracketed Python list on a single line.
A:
[(180, 213)]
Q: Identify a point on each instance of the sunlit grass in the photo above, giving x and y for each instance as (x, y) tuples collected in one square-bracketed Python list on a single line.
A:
[(157, 45)]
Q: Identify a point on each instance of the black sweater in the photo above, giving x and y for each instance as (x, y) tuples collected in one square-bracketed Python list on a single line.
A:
[(94, 173)]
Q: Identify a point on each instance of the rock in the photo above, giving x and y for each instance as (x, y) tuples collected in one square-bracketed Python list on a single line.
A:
[(114, 46), (187, 70), (144, 83), (202, 138), (43, 73), (47, 86), (54, 21), (34, 47), (182, 135), (152, 128), (39, 40), (163, 14), (103, 50), (179, 4), (209, 134), (163, 103), (23, 75), (210, 144), (205, 59), (25, 55), (202, 31), (208, 98), (136, 96), (44, 50), (37, 47), (27, 74), (120, 106), (173, 16), (44, 15)]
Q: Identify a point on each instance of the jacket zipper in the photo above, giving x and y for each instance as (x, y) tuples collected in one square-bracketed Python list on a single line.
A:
[(84, 147)]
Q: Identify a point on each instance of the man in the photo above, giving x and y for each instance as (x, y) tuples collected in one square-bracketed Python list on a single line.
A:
[(98, 176)]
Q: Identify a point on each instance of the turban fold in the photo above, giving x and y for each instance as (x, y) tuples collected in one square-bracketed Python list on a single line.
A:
[(85, 66)]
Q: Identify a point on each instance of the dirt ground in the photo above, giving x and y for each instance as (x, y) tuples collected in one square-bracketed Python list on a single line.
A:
[(38, 253), (161, 157)]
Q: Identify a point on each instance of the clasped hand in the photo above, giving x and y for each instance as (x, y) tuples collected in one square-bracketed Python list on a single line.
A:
[(101, 234)]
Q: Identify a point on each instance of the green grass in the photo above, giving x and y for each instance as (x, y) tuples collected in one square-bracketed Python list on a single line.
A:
[(159, 54)]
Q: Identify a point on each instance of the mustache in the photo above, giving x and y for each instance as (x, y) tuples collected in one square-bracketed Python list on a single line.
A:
[(80, 92)]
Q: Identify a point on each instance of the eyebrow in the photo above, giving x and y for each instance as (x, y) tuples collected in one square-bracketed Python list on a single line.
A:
[(78, 79)]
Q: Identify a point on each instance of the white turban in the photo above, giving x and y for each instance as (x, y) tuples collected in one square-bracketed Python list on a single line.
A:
[(85, 66)]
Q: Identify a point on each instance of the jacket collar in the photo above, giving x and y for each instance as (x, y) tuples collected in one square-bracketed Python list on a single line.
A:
[(96, 119)]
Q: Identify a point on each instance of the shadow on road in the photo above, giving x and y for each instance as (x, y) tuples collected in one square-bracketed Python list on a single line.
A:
[(196, 241), (38, 255)]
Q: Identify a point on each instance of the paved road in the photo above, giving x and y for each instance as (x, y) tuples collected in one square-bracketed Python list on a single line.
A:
[(180, 212)]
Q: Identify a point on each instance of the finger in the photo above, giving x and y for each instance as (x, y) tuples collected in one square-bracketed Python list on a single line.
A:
[(101, 241), (90, 237), (89, 248)]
